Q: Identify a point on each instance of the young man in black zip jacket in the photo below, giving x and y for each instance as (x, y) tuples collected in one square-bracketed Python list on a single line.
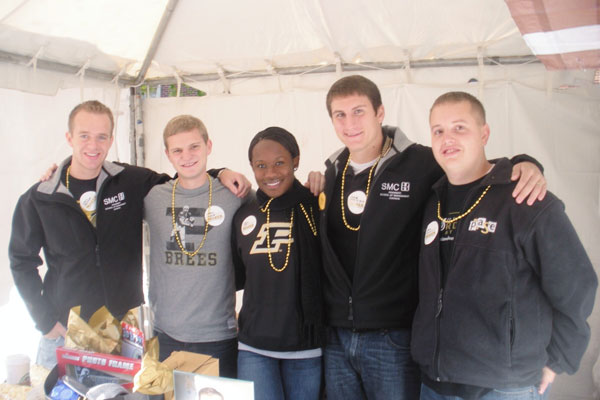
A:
[(370, 245), (88, 220), (504, 290)]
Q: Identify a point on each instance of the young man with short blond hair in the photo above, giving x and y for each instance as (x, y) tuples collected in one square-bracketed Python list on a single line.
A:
[(192, 285), (87, 219)]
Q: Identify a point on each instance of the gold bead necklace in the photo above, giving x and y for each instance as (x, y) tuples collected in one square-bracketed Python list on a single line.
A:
[(449, 221), (67, 177), (289, 243), (67, 181), (352, 228), (387, 145), (187, 253), (312, 224)]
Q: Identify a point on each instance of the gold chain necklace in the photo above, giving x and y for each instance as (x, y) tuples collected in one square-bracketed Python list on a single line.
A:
[(311, 221), (67, 181), (352, 228), (449, 221), (287, 255), (187, 253), (67, 177)]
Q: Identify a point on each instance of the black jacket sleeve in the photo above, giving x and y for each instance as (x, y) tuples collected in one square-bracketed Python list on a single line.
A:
[(238, 263), (519, 158), (26, 241), (569, 282), (150, 178)]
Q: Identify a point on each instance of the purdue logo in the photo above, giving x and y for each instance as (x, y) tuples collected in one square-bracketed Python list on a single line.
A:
[(278, 237)]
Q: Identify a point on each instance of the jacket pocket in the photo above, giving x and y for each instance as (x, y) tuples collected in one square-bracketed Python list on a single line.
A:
[(511, 333)]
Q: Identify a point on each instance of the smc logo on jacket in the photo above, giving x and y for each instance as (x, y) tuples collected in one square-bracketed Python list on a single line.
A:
[(395, 190), (114, 203)]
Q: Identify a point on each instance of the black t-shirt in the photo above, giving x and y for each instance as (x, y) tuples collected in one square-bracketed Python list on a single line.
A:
[(84, 192), (453, 201), (344, 240), (453, 204)]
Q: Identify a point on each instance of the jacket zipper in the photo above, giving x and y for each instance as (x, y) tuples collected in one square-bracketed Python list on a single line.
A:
[(350, 309), (98, 261), (436, 355), (378, 173)]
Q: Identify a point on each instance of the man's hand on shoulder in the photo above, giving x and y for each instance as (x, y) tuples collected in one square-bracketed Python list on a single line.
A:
[(48, 173), (531, 185), (315, 182), (235, 182)]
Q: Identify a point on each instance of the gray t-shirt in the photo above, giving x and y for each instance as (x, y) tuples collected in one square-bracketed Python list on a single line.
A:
[(193, 297)]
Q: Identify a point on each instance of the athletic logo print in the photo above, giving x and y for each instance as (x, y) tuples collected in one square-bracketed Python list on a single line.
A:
[(278, 238)]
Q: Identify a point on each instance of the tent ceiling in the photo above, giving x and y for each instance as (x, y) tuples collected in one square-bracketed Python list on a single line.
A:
[(166, 39)]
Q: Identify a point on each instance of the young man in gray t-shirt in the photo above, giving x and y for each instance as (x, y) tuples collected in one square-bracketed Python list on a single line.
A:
[(192, 288)]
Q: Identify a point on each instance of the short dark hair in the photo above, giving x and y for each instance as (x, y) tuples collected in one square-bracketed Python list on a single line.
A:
[(279, 135), (94, 107), (354, 84), (459, 97)]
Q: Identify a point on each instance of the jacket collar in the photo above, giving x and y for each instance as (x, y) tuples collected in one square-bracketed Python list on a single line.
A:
[(400, 142), (499, 175), (54, 184)]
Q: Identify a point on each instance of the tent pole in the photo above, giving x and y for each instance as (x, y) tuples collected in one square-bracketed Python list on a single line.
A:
[(162, 26), (136, 133), (351, 67), (12, 58), (132, 141)]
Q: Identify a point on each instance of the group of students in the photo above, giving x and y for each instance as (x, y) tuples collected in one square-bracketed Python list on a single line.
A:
[(386, 288)]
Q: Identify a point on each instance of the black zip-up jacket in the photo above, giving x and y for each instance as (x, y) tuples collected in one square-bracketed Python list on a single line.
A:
[(383, 292), (87, 266), (519, 289)]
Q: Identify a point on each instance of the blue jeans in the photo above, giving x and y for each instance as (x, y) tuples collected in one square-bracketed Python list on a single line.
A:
[(225, 350), (279, 379), (46, 355), (370, 365), (523, 393)]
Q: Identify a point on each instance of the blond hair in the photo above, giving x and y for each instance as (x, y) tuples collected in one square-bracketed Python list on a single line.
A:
[(184, 123), (459, 97), (94, 107)]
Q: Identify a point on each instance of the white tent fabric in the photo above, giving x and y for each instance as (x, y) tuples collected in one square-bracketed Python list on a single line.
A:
[(255, 60), (111, 38)]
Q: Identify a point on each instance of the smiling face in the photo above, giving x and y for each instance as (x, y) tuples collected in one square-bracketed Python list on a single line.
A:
[(90, 138), (188, 151), (273, 167), (358, 125), (458, 139)]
